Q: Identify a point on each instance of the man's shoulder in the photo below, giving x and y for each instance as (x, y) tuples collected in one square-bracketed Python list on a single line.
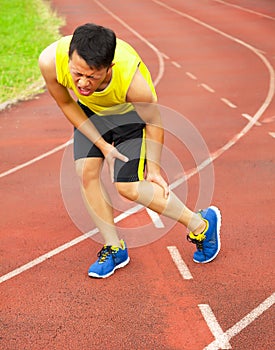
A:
[(126, 58), (124, 47), (47, 58), (62, 45), (57, 48)]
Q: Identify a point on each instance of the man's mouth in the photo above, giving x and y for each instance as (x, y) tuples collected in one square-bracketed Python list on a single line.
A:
[(84, 92)]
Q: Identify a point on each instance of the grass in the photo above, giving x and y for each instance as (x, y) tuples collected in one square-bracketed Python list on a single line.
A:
[(26, 28)]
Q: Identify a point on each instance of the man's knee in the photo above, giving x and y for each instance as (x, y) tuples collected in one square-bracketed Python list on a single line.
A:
[(87, 170), (128, 190)]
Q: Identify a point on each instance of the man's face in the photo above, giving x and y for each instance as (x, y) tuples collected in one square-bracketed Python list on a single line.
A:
[(86, 79)]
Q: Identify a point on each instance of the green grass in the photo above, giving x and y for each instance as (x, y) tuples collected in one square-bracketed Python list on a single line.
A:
[(26, 28)]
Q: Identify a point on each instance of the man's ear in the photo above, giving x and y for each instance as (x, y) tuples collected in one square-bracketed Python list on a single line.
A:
[(111, 65)]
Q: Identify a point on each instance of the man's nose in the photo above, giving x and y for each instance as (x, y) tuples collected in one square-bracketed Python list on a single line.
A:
[(83, 81)]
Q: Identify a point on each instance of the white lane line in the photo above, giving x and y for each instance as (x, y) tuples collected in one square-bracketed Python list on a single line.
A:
[(257, 52), (128, 213), (245, 9), (215, 328), (207, 87), (165, 56), (244, 322), (65, 246), (36, 159), (46, 256), (272, 134), (208, 26), (269, 119), (248, 117), (176, 64), (182, 267), (236, 40), (190, 75), (155, 218), (228, 103)]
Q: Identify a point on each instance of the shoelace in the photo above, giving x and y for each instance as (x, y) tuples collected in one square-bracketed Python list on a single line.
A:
[(105, 252), (195, 241)]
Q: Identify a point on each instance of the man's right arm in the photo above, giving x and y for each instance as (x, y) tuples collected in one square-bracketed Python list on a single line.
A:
[(71, 109)]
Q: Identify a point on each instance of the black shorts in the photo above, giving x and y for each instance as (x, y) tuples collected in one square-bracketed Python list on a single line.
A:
[(126, 132)]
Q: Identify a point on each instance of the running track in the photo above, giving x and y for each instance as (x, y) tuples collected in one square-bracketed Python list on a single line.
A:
[(213, 63)]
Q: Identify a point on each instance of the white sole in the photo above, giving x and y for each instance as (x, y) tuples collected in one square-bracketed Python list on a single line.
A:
[(95, 275), (219, 222)]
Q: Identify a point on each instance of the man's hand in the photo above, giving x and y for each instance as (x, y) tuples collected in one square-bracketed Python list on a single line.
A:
[(111, 154), (158, 179)]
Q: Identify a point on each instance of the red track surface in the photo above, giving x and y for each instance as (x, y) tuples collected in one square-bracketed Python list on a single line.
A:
[(217, 65)]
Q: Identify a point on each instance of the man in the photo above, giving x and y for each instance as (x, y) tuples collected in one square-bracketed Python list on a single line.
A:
[(116, 119)]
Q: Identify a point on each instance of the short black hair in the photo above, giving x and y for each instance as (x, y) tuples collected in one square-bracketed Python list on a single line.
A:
[(95, 44)]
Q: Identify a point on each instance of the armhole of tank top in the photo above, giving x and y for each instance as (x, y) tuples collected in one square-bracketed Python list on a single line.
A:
[(57, 59)]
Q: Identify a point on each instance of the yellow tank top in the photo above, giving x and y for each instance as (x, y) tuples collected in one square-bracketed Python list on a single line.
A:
[(111, 100)]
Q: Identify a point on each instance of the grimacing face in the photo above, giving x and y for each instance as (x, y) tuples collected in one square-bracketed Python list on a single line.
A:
[(86, 79)]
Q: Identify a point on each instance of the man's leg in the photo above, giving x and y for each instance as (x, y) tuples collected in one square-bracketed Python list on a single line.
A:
[(114, 253), (96, 198), (151, 196), (204, 226), (89, 162)]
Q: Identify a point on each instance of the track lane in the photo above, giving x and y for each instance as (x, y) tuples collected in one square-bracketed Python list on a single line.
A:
[(26, 135), (147, 269)]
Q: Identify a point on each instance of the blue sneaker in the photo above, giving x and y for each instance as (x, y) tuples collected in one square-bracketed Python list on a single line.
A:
[(109, 259), (208, 242)]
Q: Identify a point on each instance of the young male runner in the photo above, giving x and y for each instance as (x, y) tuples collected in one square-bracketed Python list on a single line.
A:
[(116, 118)]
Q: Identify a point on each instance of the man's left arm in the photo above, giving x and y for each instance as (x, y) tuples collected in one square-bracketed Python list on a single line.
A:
[(141, 96)]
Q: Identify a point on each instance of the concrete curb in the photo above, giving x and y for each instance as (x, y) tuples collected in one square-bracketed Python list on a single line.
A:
[(29, 94)]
